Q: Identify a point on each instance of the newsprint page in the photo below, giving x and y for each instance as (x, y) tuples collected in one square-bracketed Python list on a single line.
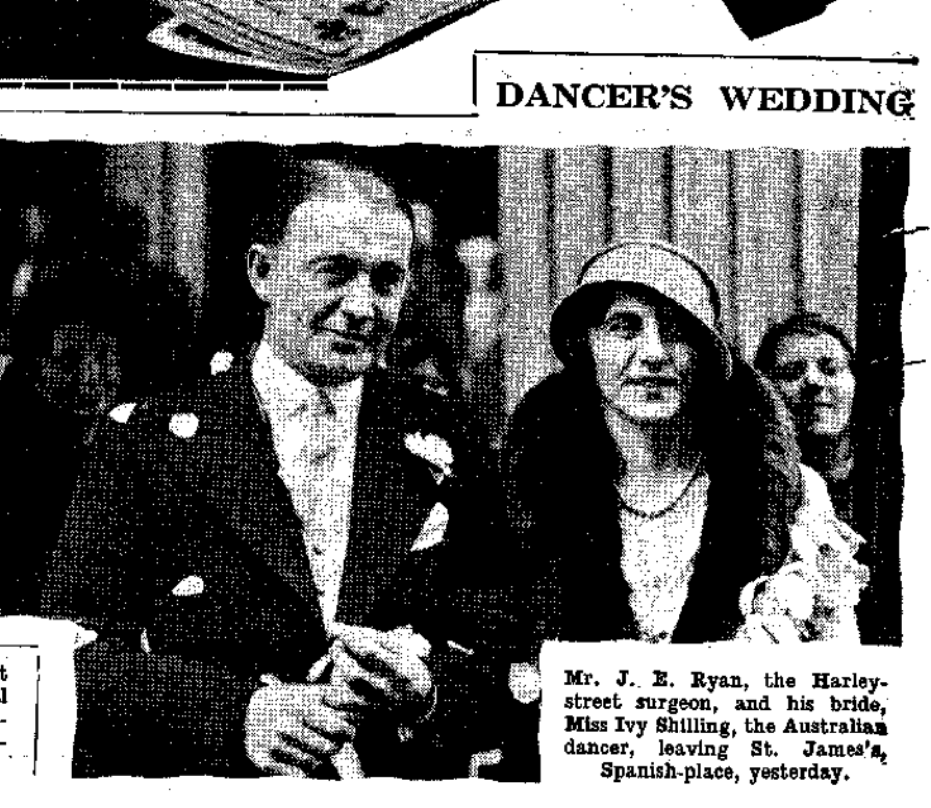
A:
[(486, 402)]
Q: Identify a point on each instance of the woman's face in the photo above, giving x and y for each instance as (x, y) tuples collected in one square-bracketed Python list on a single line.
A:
[(813, 374), (642, 363)]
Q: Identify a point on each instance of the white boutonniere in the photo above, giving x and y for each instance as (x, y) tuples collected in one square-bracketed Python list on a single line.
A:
[(434, 529), (222, 361), (192, 585), (183, 425), (121, 414), (435, 451)]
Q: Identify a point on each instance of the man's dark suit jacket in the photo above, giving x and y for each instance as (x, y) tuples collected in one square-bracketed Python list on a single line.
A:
[(152, 509), (43, 447)]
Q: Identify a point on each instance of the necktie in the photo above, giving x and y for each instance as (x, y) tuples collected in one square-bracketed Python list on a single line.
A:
[(325, 497), (318, 422), (307, 440)]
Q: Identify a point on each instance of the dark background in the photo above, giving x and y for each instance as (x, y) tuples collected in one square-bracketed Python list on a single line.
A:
[(91, 261)]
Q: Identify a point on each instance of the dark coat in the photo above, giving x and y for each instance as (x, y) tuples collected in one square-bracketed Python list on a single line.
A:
[(152, 509), (560, 468), (43, 448)]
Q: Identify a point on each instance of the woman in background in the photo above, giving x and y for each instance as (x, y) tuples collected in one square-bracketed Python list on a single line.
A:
[(811, 363)]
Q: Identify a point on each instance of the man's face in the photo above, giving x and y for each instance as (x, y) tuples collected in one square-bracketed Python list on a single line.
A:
[(642, 363), (813, 374), (335, 286)]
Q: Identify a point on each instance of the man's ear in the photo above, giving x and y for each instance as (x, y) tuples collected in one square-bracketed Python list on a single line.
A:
[(259, 267)]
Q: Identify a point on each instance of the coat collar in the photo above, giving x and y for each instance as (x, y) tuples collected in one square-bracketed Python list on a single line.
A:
[(241, 478), (711, 610), (282, 391), (391, 498), (728, 557)]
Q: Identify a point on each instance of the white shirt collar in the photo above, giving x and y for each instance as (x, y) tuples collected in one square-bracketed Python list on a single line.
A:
[(284, 391)]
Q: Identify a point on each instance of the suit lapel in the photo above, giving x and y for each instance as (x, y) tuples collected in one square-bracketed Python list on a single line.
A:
[(390, 501), (242, 482)]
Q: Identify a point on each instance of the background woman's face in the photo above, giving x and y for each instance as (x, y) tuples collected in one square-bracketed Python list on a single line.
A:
[(642, 362), (813, 374)]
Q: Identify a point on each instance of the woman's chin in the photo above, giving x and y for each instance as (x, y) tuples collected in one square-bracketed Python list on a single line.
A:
[(649, 416), (647, 412), (825, 429)]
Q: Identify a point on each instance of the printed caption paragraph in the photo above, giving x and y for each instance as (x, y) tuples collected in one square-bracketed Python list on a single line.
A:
[(38, 699), (625, 712), (19, 685)]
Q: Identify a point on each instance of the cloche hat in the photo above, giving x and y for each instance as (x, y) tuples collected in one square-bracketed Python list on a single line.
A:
[(655, 265)]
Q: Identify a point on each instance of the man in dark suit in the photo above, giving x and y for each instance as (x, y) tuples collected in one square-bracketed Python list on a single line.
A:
[(267, 556)]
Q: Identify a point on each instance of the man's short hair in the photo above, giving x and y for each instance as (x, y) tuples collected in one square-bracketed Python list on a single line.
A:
[(322, 178), (806, 324)]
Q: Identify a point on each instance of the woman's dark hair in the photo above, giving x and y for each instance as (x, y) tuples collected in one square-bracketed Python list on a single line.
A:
[(806, 325)]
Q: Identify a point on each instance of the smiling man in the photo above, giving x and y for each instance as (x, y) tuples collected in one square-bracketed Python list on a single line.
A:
[(334, 282), (266, 557)]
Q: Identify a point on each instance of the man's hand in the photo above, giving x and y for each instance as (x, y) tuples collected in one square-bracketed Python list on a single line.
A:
[(384, 668), (293, 729)]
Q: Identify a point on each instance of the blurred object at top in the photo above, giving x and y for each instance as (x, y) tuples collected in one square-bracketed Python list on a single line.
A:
[(304, 36), (762, 19)]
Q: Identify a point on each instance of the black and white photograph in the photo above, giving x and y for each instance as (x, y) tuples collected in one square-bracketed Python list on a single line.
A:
[(317, 445), (484, 401)]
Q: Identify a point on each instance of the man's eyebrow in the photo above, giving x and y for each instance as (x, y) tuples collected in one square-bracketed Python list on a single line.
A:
[(336, 259)]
